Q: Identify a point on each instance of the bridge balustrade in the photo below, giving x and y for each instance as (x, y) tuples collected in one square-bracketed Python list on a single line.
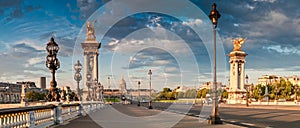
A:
[(44, 116)]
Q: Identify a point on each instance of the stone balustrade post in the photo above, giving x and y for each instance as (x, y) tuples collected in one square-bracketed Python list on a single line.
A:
[(91, 106), (70, 110), (31, 119), (80, 110), (57, 114)]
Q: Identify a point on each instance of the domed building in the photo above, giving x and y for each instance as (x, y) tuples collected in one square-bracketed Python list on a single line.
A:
[(122, 86)]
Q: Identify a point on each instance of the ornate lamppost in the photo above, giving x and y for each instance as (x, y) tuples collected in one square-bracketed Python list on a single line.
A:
[(110, 91), (53, 64), (214, 117), (296, 93), (259, 92), (247, 91), (78, 77), (100, 92), (150, 99), (276, 90), (139, 98)]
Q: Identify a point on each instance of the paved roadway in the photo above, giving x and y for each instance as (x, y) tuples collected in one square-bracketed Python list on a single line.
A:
[(253, 116), (131, 116), (187, 116)]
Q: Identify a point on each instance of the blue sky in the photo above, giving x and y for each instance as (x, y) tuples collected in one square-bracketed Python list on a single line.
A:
[(167, 44)]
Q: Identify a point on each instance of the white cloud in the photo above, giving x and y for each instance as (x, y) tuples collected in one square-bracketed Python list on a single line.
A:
[(193, 22), (250, 7), (171, 69), (113, 42), (132, 58), (276, 18), (32, 43), (283, 50), (236, 25), (176, 46), (33, 61), (270, 1), (161, 62)]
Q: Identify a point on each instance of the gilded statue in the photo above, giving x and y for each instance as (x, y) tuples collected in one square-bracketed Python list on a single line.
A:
[(90, 31), (237, 43)]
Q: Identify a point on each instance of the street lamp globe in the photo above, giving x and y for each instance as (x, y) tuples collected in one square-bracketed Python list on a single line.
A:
[(77, 76), (214, 15), (150, 72), (52, 47), (78, 66)]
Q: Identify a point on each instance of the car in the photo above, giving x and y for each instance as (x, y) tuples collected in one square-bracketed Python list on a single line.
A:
[(109, 103), (281, 100)]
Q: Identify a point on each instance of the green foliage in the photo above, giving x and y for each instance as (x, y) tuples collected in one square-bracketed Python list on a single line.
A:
[(204, 92), (166, 94), (166, 90), (225, 94), (180, 95), (285, 89), (35, 96), (191, 93)]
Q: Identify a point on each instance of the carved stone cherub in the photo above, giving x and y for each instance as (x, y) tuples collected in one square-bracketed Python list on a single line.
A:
[(90, 31), (237, 44)]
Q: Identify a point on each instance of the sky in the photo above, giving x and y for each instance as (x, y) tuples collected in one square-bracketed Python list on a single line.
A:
[(140, 35)]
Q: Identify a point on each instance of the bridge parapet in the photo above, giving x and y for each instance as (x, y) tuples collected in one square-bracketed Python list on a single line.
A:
[(44, 116)]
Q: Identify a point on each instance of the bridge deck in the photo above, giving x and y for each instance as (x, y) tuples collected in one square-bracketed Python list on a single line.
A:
[(131, 116)]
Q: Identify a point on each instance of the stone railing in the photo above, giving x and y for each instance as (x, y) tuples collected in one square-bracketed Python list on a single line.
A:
[(44, 116)]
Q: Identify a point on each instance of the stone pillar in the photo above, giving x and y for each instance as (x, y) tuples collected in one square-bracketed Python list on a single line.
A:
[(237, 76), (90, 47), (23, 94)]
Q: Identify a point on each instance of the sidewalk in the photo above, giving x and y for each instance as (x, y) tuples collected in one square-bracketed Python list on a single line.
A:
[(281, 107)]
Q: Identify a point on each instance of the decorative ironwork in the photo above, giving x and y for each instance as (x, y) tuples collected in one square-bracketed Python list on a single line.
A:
[(53, 64)]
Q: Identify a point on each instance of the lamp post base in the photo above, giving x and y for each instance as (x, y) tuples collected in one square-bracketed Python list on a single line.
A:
[(150, 105), (214, 120)]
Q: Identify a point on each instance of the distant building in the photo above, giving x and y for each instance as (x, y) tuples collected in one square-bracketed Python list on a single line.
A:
[(129, 93), (10, 93), (209, 85), (30, 86), (43, 82), (272, 79), (123, 86), (268, 79), (144, 93), (295, 80)]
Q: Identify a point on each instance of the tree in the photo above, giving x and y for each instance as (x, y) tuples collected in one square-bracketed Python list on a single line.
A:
[(180, 95), (199, 94), (35, 96), (191, 93), (225, 94), (204, 92), (285, 89), (166, 94)]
